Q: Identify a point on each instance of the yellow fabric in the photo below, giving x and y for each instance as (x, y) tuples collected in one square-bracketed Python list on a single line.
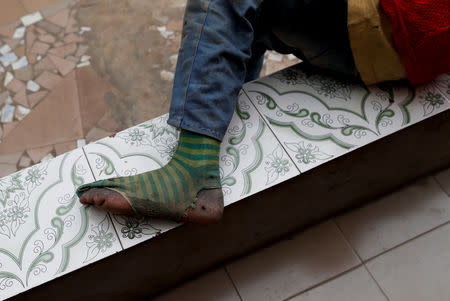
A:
[(371, 41)]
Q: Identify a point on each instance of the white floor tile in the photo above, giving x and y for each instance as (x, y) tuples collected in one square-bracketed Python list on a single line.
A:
[(44, 231), (396, 217), (142, 148), (212, 286), (290, 266), (356, 285), (443, 178), (416, 271)]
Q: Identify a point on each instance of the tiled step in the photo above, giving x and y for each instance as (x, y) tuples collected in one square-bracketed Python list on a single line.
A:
[(285, 124)]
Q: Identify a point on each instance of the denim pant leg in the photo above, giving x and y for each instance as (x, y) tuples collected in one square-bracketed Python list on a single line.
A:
[(216, 47)]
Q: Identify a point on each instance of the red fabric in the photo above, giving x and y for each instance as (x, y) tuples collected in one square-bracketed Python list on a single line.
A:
[(421, 33)]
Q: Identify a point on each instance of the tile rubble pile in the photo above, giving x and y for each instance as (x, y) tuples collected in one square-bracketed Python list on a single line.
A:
[(34, 57), (38, 52)]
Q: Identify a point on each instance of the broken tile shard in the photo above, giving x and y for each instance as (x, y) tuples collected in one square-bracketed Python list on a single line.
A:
[(60, 18), (47, 157), (27, 20), (5, 49), (21, 98), (8, 78), (8, 59), (49, 27), (65, 50), (166, 75), (25, 161), (81, 142), (33, 86), (63, 66), (81, 50), (48, 80), (85, 58), (8, 113), (84, 29), (35, 98), (73, 38), (15, 85), (22, 62), (21, 112), (83, 64), (36, 154), (64, 147), (19, 33), (3, 96), (25, 73), (47, 38), (39, 48)]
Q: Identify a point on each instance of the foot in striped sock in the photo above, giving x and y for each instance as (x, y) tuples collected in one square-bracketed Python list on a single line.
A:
[(186, 189)]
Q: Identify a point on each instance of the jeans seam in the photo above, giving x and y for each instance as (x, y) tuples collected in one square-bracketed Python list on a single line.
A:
[(202, 129), (192, 65)]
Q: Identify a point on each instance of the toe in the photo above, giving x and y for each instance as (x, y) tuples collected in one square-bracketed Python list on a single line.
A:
[(108, 200), (87, 198)]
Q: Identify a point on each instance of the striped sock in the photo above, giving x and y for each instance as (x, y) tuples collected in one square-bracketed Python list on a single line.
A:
[(169, 191)]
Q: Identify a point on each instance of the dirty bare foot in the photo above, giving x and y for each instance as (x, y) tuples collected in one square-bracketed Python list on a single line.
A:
[(208, 206)]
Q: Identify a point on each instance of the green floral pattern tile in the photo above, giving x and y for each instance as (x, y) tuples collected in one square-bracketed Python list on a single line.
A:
[(443, 84), (318, 118), (251, 157), (44, 231), (144, 147)]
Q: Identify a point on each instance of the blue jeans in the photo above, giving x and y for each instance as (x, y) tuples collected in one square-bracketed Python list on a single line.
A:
[(223, 44)]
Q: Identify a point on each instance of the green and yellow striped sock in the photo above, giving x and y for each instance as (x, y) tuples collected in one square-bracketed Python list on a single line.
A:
[(169, 191)]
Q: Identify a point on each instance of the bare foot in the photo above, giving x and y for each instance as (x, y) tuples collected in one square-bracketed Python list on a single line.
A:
[(208, 207)]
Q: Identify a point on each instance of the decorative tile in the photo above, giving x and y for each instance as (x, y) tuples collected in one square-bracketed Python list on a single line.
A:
[(429, 100), (145, 147), (251, 158), (44, 231), (319, 118), (443, 84)]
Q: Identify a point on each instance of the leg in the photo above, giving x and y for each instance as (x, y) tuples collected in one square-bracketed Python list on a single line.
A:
[(215, 51), (189, 180)]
